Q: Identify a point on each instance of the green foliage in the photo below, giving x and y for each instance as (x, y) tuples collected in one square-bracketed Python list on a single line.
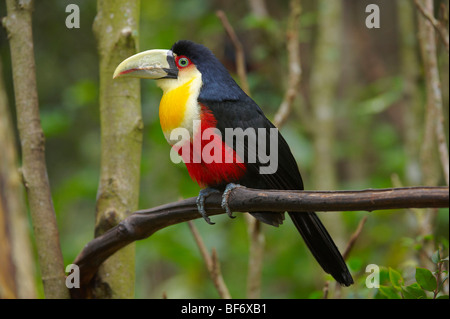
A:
[(425, 279), (395, 278), (428, 284)]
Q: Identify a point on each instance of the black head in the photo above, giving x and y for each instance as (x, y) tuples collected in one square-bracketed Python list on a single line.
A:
[(218, 85)]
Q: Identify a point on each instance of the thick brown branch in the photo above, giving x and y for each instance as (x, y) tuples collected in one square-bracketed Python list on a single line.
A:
[(144, 223)]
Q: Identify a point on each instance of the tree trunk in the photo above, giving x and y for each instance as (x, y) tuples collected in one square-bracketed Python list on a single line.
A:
[(430, 166), (434, 136), (324, 81), (116, 28), (34, 170)]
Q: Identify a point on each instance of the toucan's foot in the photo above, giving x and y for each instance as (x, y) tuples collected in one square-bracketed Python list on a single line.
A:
[(226, 195), (201, 202)]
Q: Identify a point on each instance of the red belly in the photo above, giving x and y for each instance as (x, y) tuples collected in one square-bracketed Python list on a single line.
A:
[(219, 164)]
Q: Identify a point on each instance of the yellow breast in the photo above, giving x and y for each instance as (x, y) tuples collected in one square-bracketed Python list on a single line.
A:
[(172, 107)]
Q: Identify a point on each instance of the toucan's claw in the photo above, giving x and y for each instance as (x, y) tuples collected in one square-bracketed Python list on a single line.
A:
[(201, 202), (208, 191), (226, 195)]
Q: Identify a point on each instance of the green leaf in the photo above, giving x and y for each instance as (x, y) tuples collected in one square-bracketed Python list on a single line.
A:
[(436, 257), (425, 279), (442, 297), (414, 291), (384, 276), (389, 292), (395, 278)]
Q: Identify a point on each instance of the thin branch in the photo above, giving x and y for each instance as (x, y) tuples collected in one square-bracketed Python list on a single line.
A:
[(144, 223), (434, 108), (350, 245), (258, 8), (325, 290), (16, 254), (295, 69), (212, 263), (440, 28), (217, 276), (18, 23), (257, 242), (354, 237), (240, 56)]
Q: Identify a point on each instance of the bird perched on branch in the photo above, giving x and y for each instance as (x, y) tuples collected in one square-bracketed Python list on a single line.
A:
[(225, 139)]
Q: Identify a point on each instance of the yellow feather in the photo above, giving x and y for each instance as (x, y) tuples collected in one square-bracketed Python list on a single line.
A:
[(172, 107)]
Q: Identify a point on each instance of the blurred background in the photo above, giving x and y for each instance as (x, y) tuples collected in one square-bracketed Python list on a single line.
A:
[(357, 122)]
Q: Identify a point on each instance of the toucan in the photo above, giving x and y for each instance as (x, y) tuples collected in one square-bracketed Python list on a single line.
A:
[(199, 97)]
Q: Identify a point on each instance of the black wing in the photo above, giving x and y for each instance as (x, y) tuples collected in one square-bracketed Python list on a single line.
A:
[(247, 114)]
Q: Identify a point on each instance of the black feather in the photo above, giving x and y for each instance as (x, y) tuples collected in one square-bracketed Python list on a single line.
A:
[(218, 84)]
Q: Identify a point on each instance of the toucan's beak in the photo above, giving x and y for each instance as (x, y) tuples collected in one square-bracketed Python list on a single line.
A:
[(151, 64)]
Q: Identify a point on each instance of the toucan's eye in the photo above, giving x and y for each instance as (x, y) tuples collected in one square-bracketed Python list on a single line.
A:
[(183, 62)]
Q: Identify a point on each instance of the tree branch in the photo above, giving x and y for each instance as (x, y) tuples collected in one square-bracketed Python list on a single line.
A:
[(353, 238), (240, 56), (212, 263), (144, 223), (295, 69), (345, 254), (440, 28), (18, 23), (434, 109), (16, 254)]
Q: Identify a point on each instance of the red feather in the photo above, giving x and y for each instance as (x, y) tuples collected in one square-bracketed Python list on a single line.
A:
[(218, 172)]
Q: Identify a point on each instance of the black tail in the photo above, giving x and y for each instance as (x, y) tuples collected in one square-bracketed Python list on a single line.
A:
[(322, 246)]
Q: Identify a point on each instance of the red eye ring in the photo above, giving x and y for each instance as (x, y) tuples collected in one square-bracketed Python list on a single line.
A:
[(182, 61)]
